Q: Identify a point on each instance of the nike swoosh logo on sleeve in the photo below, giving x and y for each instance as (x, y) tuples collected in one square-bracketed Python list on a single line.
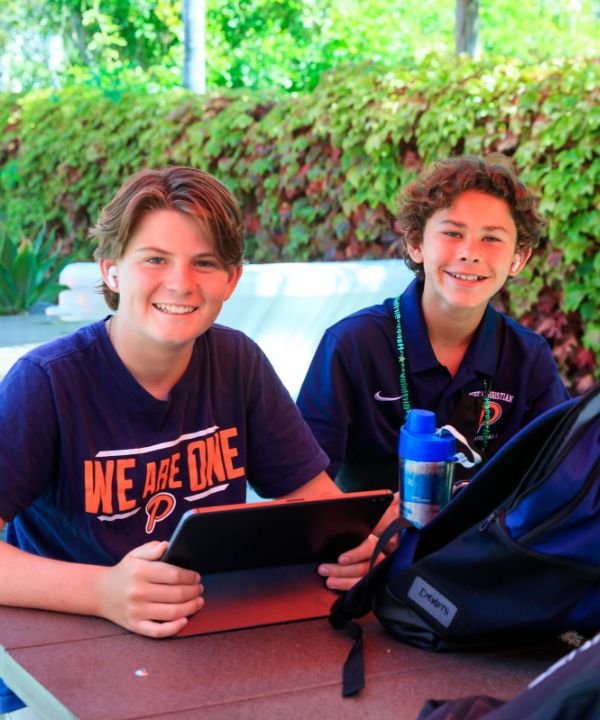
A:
[(383, 398)]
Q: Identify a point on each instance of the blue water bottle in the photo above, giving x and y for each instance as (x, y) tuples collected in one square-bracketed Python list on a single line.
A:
[(426, 467)]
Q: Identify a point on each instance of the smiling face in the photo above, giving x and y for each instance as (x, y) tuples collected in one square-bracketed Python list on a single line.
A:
[(170, 282), (467, 252)]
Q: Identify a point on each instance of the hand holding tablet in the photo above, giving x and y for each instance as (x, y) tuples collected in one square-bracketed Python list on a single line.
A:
[(258, 561)]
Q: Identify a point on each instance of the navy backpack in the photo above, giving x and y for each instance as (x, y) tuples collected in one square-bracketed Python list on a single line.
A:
[(568, 690), (514, 558)]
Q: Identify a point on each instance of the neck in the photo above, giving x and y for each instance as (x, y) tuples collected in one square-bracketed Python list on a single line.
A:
[(156, 368), (450, 331), (452, 328)]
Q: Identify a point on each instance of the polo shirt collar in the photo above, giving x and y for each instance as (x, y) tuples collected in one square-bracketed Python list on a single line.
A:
[(481, 355), (484, 350), (417, 347)]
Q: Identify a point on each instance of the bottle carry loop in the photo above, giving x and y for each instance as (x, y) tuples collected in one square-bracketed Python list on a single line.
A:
[(460, 457)]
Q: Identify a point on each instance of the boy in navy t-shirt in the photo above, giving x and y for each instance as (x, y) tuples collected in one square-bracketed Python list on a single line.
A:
[(468, 224), (108, 435)]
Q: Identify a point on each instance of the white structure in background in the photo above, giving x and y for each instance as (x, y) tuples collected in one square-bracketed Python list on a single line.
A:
[(83, 300), (284, 307)]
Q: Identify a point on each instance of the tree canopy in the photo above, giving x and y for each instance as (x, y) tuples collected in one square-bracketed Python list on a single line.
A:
[(285, 44)]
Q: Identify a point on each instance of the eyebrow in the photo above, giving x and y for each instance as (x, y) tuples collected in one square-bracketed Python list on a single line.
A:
[(160, 251), (487, 228)]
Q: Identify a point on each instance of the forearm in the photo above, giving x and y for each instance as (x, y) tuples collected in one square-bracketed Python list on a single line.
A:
[(32, 581), (320, 486), (139, 593)]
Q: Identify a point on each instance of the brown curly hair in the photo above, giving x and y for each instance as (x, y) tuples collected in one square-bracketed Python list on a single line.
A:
[(439, 184), (184, 189)]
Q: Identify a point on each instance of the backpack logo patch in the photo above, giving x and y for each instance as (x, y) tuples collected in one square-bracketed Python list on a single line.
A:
[(432, 601)]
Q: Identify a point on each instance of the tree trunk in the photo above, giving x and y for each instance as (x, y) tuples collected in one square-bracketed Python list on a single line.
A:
[(467, 26), (194, 45), (79, 39)]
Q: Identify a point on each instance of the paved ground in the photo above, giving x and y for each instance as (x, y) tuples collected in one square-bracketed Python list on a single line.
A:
[(27, 329)]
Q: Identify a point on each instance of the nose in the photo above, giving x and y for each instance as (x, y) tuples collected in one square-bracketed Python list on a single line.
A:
[(180, 279), (469, 250)]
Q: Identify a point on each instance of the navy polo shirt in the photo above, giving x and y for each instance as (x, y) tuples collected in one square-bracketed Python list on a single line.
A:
[(351, 398)]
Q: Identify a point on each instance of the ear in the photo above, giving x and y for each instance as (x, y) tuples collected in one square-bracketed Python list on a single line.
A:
[(415, 253), (234, 275), (108, 271), (520, 260)]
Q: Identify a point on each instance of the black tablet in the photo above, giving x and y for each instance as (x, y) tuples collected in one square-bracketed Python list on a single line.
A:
[(276, 532)]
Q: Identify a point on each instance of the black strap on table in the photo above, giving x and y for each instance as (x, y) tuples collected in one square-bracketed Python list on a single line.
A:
[(356, 603)]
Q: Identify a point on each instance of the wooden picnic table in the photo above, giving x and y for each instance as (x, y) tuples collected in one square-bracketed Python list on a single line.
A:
[(68, 666)]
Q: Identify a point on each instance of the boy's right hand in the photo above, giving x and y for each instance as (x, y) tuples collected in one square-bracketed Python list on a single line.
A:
[(147, 596)]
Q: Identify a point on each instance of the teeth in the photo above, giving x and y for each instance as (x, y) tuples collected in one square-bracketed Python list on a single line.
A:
[(175, 309), (461, 276)]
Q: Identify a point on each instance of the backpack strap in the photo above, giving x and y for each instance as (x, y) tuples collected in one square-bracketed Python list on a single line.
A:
[(353, 672), (356, 602)]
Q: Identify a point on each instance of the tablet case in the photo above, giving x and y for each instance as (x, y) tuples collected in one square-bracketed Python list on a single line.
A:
[(258, 562)]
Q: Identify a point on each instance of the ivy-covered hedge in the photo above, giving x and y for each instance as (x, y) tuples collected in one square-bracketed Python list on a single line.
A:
[(318, 175)]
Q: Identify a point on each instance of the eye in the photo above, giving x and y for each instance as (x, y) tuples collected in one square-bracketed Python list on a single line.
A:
[(206, 263), (452, 233), (492, 239), (156, 260)]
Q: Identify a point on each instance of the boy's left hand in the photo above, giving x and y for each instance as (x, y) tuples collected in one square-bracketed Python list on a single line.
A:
[(351, 565)]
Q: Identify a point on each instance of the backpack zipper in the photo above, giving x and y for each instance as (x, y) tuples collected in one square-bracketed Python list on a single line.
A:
[(569, 428), (499, 529), (537, 475), (563, 512), (490, 518)]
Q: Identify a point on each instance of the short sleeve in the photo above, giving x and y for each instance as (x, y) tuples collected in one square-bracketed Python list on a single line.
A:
[(326, 400), (283, 455), (28, 436), (546, 387)]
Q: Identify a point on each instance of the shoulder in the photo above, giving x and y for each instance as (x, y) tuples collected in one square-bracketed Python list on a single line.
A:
[(67, 349), (51, 375), (364, 321), (373, 321), (518, 337), (355, 341), (527, 355), (231, 352), (224, 339)]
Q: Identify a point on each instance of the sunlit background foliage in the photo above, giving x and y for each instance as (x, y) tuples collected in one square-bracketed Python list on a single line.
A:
[(283, 44), (317, 113)]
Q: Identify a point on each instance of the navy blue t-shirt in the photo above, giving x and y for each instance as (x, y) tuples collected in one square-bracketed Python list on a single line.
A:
[(92, 465), (351, 394)]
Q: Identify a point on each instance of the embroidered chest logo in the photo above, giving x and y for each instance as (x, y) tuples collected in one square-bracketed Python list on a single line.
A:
[(495, 408), (495, 414)]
